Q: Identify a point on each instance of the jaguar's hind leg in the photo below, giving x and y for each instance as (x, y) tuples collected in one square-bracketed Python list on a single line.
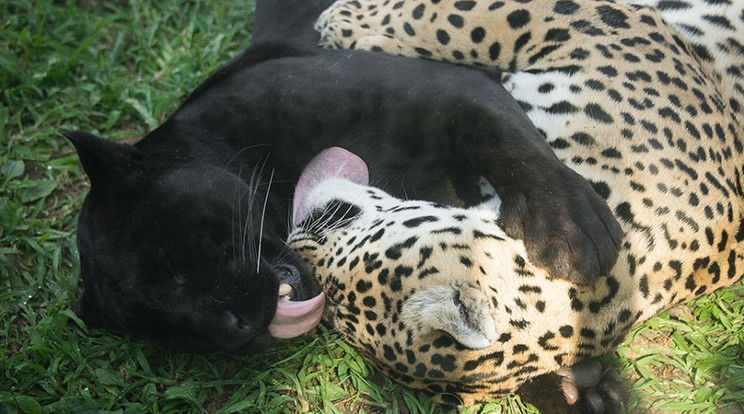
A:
[(587, 387)]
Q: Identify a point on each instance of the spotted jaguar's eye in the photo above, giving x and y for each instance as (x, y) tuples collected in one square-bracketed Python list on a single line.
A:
[(334, 214)]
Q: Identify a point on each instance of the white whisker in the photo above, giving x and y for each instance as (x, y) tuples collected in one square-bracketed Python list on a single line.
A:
[(263, 216), (247, 245), (325, 226)]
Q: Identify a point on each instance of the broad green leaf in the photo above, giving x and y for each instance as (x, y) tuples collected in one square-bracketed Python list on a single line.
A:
[(12, 169), (108, 377), (179, 393), (27, 404), (40, 190)]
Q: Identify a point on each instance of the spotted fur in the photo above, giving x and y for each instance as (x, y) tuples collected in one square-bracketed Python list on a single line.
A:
[(644, 102)]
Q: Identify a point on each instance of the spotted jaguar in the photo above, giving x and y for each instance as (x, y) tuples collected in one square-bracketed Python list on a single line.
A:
[(644, 101)]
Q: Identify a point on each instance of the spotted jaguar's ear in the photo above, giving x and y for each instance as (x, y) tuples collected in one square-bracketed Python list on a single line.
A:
[(108, 164), (461, 311)]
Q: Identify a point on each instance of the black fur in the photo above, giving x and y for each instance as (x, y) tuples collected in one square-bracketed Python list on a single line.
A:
[(169, 234)]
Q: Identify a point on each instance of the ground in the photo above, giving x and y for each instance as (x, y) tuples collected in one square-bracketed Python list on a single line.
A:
[(119, 68)]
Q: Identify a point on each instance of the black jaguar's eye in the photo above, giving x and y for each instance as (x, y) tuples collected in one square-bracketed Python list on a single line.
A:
[(335, 214), (168, 269), (240, 322)]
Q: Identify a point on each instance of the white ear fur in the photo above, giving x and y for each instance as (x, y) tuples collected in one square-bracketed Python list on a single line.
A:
[(461, 311)]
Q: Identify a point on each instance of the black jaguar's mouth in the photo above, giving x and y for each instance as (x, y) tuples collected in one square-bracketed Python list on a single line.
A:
[(296, 312), (290, 283)]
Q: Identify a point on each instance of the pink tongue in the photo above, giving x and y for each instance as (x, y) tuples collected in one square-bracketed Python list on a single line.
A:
[(332, 162), (293, 319)]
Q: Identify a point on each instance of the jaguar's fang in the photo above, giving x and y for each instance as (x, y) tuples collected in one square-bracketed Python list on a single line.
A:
[(285, 289)]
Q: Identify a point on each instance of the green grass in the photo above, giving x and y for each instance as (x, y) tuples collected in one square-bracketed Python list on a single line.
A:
[(119, 68)]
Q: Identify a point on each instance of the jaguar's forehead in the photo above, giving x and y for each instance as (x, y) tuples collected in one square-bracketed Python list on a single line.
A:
[(383, 214), (394, 248)]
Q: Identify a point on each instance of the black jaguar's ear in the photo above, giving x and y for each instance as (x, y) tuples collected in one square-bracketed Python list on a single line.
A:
[(106, 163), (461, 311)]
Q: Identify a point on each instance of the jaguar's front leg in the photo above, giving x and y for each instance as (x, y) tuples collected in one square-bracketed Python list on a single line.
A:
[(566, 226)]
